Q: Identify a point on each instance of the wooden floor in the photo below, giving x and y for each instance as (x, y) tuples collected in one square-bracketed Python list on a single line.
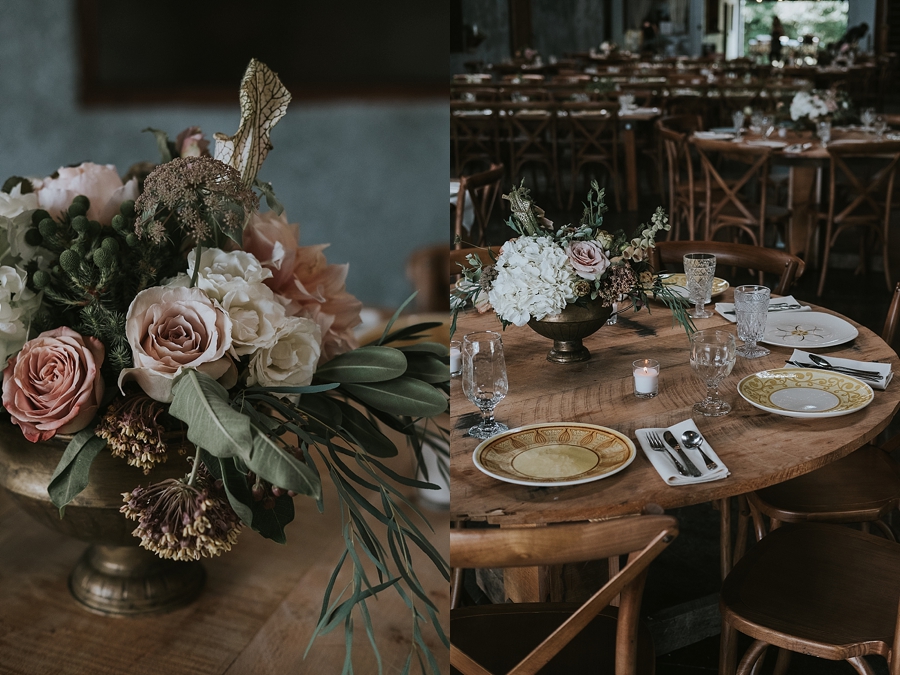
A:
[(255, 615)]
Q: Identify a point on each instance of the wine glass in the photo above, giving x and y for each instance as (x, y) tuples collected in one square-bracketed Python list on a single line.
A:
[(712, 357), (484, 379), (823, 131), (867, 116), (751, 309), (699, 272), (737, 119), (880, 127)]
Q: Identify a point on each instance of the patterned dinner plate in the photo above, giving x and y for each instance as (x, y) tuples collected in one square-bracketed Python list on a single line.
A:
[(808, 330), (678, 284), (804, 392), (554, 454)]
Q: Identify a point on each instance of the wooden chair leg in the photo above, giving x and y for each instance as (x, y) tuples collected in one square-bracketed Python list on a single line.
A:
[(782, 661), (755, 653), (727, 649), (860, 665), (885, 530), (743, 514)]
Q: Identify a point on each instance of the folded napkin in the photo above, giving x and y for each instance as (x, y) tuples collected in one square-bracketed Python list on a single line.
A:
[(666, 468), (784, 304), (800, 356), (714, 135)]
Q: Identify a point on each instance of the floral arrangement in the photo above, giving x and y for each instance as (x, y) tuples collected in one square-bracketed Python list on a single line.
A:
[(166, 314), (546, 268), (819, 105)]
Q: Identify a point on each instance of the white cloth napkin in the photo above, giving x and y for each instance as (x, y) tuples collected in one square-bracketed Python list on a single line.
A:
[(666, 468), (801, 356), (724, 308)]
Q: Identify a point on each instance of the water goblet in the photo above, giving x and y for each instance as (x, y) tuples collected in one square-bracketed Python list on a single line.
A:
[(713, 353), (880, 127), (867, 116), (751, 309), (823, 131), (756, 123), (737, 119), (699, 272), (484, 379)]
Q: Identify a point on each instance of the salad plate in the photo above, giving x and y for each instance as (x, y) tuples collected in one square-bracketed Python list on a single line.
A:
[(804, 392), (808, 330)]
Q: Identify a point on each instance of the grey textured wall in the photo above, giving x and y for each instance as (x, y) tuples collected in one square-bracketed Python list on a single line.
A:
[(563, 26), (369, 178)]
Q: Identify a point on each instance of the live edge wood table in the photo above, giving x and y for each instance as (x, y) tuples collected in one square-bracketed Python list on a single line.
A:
[(759, 448)]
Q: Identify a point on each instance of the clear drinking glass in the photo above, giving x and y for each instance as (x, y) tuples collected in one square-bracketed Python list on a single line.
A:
[(712, 357), (484, 379), (867, 116), (699, 271), (756, 123), (880, 127), (737, 119), (823, 131), (751, 308)]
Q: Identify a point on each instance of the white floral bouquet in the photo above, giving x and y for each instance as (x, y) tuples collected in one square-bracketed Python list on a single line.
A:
[(166, 315), (545, 268), (819, 105)]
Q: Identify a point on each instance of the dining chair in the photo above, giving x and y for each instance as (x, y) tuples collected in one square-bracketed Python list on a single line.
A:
[(787, 267), (685, 194), (474, 135), (593, 141), (531, 134), (482, 190), (861, 186), (554, 638)]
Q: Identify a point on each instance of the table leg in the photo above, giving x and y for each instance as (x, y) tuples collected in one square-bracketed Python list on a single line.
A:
[(628, 141), (728, 635), (801, 183)]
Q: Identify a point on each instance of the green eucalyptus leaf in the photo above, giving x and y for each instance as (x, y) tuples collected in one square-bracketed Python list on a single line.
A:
[(366, 364), (235, 482), (401, 396), (410, 332), (365, 432), (427, 367), (268, 460), (203, 404), (71, 474), (430, 347)]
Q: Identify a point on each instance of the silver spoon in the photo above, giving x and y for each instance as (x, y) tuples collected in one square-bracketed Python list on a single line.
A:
[(692, 439), (822, 363)]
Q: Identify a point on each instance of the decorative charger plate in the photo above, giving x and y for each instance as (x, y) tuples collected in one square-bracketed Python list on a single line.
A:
[(678, 284), (554, 454), (804, 392), (807, 330)]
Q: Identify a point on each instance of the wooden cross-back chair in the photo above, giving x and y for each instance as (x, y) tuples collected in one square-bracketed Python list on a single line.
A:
[(551, 638), (594, 140), (685, 194), (482, 190), (532, 137), (860, 200), (473, 134)]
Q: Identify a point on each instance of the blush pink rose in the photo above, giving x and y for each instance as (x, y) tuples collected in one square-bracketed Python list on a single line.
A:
[(301, 274), (171, 329), (588, 259), (191, 143), (53, 386), (99, 183)]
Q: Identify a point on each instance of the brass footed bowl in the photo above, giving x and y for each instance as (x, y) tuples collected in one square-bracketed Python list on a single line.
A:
[(568, 328), (115, 576)]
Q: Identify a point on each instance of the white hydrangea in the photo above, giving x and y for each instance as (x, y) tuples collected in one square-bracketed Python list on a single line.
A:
[(534, 279), (17, 305), (808, 105), (15, 219)]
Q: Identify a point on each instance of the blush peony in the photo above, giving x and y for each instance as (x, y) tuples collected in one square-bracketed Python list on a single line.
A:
[(54, 384), (99, 183)]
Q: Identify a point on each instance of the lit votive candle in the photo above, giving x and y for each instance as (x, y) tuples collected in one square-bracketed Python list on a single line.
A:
[(646, 378), (455, 358)]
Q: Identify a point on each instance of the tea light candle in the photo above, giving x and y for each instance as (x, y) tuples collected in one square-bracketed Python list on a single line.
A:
[(455, 358), (646, 378)]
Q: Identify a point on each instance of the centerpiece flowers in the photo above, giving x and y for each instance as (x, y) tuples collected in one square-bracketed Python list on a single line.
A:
[(167, 318), (547, 269), (820, 105)]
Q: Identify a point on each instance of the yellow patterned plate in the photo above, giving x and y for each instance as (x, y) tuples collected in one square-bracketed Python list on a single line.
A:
[(802, 392), (554, 454), (678, 284)]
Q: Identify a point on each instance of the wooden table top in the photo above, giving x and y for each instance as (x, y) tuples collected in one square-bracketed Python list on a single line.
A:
[(759, 448)]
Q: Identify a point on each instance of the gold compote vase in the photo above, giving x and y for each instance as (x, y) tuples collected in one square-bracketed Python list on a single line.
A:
[(114, 576), (568, 328)]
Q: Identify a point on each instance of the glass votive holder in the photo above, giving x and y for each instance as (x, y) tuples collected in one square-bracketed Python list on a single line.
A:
[(646, 378), (455, 358)]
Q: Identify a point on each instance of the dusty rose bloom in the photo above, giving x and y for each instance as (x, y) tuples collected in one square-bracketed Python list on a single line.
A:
[(191, 143), (99, 183), (588, 259), (54, 384)]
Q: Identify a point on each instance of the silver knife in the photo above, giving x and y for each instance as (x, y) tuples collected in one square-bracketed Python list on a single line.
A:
[(691, 467)]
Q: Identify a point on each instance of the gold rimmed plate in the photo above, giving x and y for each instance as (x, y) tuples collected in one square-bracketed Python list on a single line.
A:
[(803, 392), (554, 454), (678, 284)]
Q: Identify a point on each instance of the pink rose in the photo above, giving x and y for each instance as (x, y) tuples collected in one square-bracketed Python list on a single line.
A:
[(315, 289), (171, 329), (588, 259), (54, 385), (190, 143), (100, 184)]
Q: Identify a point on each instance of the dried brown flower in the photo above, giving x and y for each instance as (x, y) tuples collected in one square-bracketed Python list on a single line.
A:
[(620, 280)]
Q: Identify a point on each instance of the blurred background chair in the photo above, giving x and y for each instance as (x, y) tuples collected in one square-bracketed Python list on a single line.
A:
[(481, 191)]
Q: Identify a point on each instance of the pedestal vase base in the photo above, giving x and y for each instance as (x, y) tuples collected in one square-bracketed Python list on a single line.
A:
[(568, 351)]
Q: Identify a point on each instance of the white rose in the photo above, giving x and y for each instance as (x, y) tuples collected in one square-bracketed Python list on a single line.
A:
[(291, 361), (256, 315), (218, 268)]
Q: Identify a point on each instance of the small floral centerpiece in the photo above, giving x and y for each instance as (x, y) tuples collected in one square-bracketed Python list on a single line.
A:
[(548, 268), (167, 318), (820, 105)]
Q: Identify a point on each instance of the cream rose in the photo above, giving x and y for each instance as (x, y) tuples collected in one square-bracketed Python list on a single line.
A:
[(54, 385), (99, 183), (588, 258), (291, 361), (171, 329)]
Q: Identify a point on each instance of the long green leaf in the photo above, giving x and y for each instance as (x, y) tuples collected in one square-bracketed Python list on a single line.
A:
[(396, 316), (364, 432), (72, 472), (401, 396), (427, 367), (268, 460), (366, 364), (203, 404), (430, 347), (413, 332), (235, 482)]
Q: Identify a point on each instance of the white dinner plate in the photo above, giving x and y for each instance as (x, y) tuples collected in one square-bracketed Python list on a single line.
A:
[(678, 285), (804, 392), (554, 454), (807, 330), (766, 143)]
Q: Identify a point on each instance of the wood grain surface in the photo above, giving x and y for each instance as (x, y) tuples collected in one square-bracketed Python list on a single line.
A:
[(255, 616), (759, 448)]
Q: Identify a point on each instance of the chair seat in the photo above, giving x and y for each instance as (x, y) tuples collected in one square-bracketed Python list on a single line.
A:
[(862, 486), (826, 590), (499, 636)]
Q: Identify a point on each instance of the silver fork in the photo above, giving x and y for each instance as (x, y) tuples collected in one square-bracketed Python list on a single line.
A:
[(657, 444)]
